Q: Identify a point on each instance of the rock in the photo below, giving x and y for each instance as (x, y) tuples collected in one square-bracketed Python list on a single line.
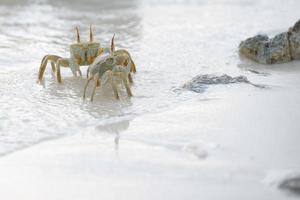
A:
[(292, 185), (284, 47), (200, 83), (295, 41)]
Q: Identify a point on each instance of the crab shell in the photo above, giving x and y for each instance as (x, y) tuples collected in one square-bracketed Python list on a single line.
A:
[(102, 64), (84, 53)]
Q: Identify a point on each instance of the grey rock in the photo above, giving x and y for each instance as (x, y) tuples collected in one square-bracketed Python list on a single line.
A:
[(200, 83), (282, 48), (292, 185), (295, 41)]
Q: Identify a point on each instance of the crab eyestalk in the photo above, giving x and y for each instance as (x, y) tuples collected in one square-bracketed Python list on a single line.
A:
[(78, 36), (91, 34), (112, 45)]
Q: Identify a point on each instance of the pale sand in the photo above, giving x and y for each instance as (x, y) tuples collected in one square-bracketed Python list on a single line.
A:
[(93, 166)]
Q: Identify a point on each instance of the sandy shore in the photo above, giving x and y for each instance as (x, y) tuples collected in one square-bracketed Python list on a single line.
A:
[(103, 164)]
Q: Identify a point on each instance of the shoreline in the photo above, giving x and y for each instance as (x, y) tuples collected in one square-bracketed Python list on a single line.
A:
[(98, 165)]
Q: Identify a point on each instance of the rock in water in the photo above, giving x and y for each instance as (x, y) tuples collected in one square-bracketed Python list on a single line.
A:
[(200, 83), (295, 41), (292, 185), (284, 47)]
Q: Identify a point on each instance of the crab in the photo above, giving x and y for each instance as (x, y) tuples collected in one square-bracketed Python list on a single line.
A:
[(121, 54), (81, 53), (107, 67)]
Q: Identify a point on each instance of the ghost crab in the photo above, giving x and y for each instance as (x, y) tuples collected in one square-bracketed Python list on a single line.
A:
[(107, 67), (81, 53)]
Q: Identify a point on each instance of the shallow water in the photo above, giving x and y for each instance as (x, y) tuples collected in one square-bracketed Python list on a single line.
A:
[(171, 42)]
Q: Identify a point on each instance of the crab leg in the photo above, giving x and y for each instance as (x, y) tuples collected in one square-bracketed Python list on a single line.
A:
[(79, 72), (113, 84), (96, 78), (130, 78), (52, 58), (87, 72), (53, 67), (86, 85), (125, 81), (61, 62), (133, 67)]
